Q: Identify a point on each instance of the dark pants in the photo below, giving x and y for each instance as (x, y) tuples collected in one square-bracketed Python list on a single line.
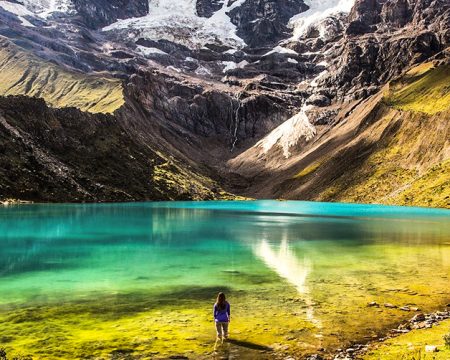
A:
[(222, 329)]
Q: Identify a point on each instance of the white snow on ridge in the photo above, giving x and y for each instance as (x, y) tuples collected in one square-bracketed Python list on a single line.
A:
[(18, 10), (177, 21), (315, 82), (289, 133), (318, 11), (231, 51), (281, 50), (44, 8), (231, 65), (202, 71), (150, 50)]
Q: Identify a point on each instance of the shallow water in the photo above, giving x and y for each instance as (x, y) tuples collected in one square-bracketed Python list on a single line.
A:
[(112, 280)]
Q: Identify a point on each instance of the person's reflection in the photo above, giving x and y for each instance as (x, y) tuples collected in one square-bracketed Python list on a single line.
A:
[(285, 263)]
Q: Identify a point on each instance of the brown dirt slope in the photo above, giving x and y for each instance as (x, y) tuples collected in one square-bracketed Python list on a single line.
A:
[(394, 148), (66, 155)]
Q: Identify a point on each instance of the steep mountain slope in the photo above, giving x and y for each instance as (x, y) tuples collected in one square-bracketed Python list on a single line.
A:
[(265, 97), (393, 148), (21, 73), (425, 88), (69, 155)]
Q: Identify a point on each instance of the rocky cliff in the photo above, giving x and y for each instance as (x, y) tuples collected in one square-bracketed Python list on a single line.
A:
[(67, 155), (391, 148), (277, 99)]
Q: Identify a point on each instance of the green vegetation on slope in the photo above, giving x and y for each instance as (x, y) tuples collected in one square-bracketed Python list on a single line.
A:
[(186, 184), (397, 153), (309, 170), (403, 164), (432, 188), (65, 155), (22, 73), (424, 88)]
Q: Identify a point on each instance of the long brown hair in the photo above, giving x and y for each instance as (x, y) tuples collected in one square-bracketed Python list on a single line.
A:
[(221, 301)]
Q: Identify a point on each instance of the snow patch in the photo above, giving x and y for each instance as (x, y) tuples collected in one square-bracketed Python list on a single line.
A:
[(289, 133), (309, 53), (177, 21), (292, 61), (150, 50), (202, 71), (231, 65), (173, 68), (18, 10), (315, 81), (231, 51), (318, 10), (281, 50)]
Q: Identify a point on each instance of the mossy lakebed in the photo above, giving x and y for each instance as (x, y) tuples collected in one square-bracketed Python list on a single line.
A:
[(414, 345), (138, 280)]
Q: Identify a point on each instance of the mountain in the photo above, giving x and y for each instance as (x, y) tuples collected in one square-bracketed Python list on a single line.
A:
[(334, 100), (390, 148)]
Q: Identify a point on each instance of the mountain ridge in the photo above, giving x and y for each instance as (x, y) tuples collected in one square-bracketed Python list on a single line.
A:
[(235, 112)]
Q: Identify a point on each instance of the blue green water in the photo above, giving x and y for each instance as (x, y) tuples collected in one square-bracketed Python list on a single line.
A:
[(107, 276)]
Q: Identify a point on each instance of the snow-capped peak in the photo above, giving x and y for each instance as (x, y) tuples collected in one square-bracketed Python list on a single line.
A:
[(177, 21)]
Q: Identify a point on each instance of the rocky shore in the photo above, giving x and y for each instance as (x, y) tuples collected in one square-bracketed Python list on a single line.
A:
[(418, 321)]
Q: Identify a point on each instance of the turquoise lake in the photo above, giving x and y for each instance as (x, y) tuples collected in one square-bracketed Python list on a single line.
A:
[(139, 280)]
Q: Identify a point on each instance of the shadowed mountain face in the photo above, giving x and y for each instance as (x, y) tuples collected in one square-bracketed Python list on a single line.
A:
[(98, 13), (245, 94), (262, 23), (67, 155)]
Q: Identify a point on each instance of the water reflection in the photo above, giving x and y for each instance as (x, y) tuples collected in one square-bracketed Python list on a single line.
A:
[(281, 259), (266, 255)]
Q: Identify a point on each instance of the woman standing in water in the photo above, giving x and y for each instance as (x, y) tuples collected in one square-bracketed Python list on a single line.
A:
[(222, 316)]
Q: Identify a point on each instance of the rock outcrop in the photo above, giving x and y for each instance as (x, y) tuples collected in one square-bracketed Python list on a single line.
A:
[(67, 155), (98, 13), (262, 23), (210, 86)]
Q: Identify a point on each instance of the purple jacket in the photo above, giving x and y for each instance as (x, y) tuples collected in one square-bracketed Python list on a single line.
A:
[(222, 315)]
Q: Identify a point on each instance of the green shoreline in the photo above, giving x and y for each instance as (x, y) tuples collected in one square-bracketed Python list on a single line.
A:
[(93, 281), (394, 345), (97, 332)]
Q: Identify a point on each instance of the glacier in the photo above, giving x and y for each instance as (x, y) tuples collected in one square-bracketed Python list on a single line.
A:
[(177, 21), (44, 8), (19, 10)]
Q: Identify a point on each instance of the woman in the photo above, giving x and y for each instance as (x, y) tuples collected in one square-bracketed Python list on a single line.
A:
[(221, 316)]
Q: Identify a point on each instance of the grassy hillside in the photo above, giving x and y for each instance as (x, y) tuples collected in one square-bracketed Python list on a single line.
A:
[(393, 149), (424, 88), (22, 73), (403, 161)]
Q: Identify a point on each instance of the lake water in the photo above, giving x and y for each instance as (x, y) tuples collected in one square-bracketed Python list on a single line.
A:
[(139, 280)]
